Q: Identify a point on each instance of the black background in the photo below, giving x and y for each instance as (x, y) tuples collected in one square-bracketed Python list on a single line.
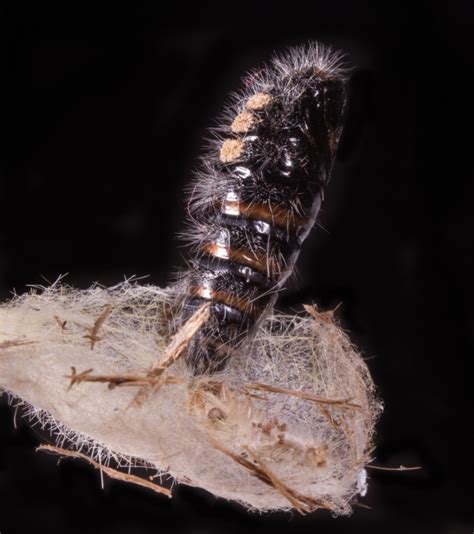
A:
[(103, 121)]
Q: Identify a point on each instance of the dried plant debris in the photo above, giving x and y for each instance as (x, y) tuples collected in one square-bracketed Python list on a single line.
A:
[(287, 425), (112, 473)]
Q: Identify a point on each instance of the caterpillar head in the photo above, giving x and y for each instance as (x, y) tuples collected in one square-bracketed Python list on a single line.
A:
[(287, 125)]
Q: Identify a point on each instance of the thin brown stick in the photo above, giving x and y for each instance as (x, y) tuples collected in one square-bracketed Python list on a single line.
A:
[(340, 403), (278, 484), (401, 468), (326, 317), (175, 350), (77, 377), (180, 341), (360, 505), (93, 336), (120, 380), (11, 343), (112, 473), (61, 323), (302, 503), (257, 472), (327, 414), (311, 503)]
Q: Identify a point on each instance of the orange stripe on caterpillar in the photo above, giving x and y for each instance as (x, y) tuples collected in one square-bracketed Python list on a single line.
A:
[(271, 214), (239, 303), (258, 262)]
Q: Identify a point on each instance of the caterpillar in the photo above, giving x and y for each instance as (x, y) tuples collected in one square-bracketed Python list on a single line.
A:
[(257, 195)]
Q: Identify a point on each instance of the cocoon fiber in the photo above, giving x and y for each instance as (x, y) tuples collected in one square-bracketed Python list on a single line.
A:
[(288, 424)]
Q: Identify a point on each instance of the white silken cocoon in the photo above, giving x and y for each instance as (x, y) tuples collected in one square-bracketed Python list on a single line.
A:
[(287, 425)]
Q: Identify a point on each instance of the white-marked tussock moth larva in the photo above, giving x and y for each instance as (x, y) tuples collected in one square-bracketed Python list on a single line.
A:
[(258, 195)]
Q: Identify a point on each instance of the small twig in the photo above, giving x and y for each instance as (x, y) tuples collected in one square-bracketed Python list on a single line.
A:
[(340, 403), (260, 470), (61, 323), (326, 317), (360, 505), (401, 468), (311, 503), (75, 377), (112, 473), (256, 471), (327, 414), (120, 380), (10, 343), (175, 349), (278, 484), (93, 336), (180, 341)]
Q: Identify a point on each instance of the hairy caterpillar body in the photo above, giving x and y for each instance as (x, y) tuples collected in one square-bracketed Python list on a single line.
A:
[(258, 195)]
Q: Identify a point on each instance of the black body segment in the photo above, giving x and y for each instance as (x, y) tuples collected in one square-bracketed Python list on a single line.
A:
[(258, 196)]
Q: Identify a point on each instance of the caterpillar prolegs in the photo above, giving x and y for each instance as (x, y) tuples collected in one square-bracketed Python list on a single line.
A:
[(258, 195)]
